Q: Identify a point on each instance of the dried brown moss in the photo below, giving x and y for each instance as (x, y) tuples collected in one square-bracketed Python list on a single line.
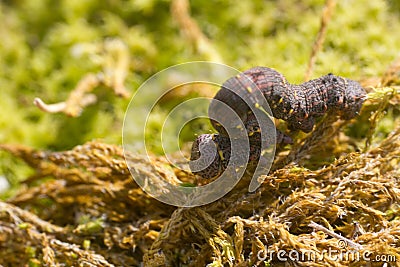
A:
[(82, 206)]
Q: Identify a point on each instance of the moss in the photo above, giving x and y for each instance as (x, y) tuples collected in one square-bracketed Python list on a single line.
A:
[(37, 57), (45, 54)]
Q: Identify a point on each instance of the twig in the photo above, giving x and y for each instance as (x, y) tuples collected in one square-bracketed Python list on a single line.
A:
[(325, 18), (335, 235), (114, 58), (50, 108), (180, 11), (19, 215), (72, 109)]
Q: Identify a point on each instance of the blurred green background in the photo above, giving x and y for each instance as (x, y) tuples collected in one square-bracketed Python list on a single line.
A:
[(38, 39)]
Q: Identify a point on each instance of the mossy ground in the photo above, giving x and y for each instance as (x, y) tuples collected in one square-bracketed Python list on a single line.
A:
[(81, 207)]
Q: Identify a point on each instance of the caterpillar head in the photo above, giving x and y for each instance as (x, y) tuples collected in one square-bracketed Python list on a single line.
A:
[(209, 155), (345, 96), (354, 97)]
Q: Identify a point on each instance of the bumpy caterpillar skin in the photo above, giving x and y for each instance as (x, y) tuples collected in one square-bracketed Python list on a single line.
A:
[(218, 162), (299, 105)]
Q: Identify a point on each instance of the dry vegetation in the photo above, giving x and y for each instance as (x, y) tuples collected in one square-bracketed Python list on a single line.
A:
[(331, 190), (89, 210)]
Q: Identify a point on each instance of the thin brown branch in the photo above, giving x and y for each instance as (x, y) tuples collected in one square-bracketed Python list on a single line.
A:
[(19, 216), (114, 58), (325, 18), (180, 10)]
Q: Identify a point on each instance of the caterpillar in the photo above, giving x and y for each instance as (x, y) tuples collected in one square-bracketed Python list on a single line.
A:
[(211, 164), (299, 105)]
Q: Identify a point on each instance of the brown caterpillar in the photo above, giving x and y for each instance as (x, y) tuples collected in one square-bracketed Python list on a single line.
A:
[(299, 105)]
